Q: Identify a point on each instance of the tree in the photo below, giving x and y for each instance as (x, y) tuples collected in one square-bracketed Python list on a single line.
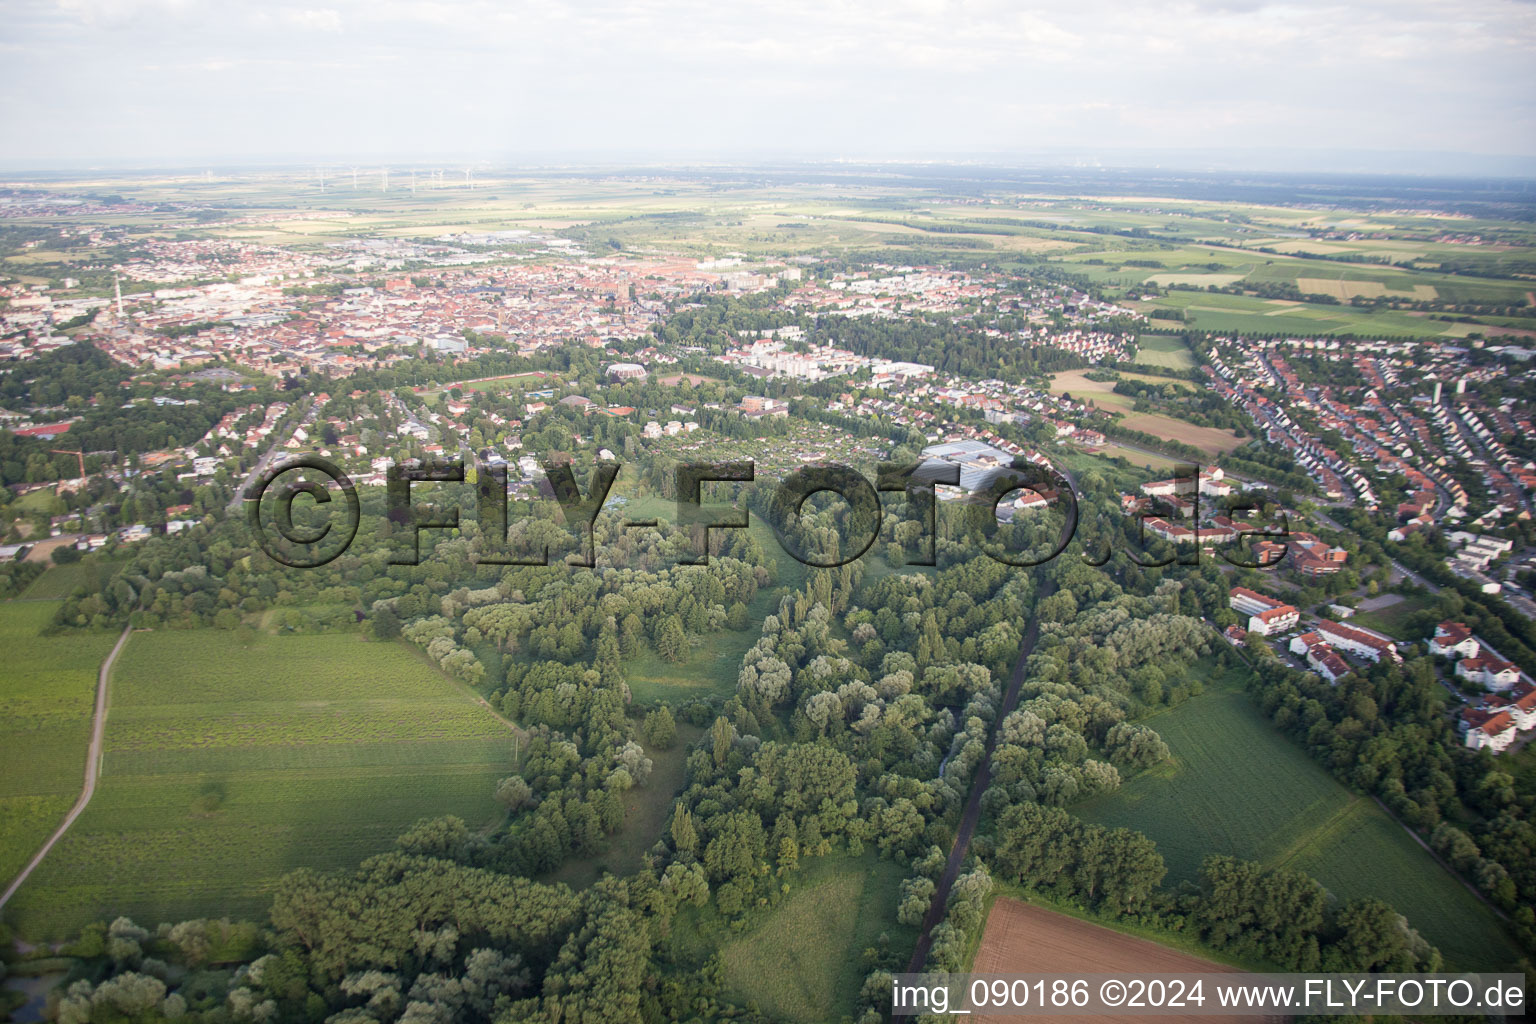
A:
[(722, 734), (513, 792), (659, 729), (386, 624), (684, 837), (671, 641)]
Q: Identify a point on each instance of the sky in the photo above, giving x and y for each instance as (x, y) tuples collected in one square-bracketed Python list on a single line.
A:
[(185, 82)]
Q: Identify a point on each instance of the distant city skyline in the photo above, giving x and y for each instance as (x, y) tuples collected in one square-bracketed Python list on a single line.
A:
[(1415, 86)]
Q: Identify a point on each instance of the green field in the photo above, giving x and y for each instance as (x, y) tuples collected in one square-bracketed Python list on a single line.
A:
[(59, 581), (500, 383), (1159, 350), (230, 761), (800, 960), (711, 668), (1392, 619), (47, 691), (1237, 786), (647, 813)]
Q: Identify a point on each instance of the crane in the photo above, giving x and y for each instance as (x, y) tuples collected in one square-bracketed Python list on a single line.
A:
[(79, 455)]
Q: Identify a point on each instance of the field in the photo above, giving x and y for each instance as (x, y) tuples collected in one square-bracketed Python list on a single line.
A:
[(1158, 350), (47, 691), (500, 383), (647, 813), (711, 668), (1237, 786), (1345, 289), (231, 761), (1101, 393), (59, 581), (1206, 311), (1391, 619), (1020, 938), (800, 961)]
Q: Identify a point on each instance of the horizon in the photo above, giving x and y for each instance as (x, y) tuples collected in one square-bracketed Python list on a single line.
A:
[(1347, 164)]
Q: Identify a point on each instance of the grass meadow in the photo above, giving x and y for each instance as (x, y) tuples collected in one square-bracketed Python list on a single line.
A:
[(711, 668), (1393, 618), (647, 814), (1237, 786), (47, 692), (800, 960), (1159, 350), (231, 760)]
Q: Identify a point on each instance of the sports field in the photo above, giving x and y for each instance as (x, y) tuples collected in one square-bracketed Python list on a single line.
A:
[(47, 691), (231, 761), (1237, 786), (1020, 938)]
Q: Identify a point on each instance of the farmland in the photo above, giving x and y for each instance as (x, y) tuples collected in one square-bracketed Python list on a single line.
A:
[(800, 960), (59, 581), (1237, 786), (1101, 394), (47, 690), (1160, 350), (1020, 937), (230, 761)]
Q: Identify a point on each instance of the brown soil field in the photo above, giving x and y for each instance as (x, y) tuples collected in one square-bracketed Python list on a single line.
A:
[(1024, 939), (42, 551), (1101, 393)]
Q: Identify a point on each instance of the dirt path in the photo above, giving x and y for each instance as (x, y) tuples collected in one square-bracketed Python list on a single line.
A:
[(972, 813), (1474, 890), (92, 769)]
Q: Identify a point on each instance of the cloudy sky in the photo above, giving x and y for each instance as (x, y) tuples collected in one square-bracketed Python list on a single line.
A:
[(169, 82)]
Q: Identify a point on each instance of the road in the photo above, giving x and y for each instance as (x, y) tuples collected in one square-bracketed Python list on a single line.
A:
[(92, 769), (972, 813), (265, 461)]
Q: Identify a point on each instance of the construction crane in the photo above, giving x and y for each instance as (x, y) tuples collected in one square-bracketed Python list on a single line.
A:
[(79, 455)]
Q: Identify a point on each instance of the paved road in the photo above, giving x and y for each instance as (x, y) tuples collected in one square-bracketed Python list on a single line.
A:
[(92, 769), (267, 458), (972, 813)]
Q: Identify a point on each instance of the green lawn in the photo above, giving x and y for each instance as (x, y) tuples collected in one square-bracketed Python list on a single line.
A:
[(1237, 786), (41, 499), (800, 960), (501, 383), (230, 761), (1392, 619), (47, 691), (1158, 350)]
